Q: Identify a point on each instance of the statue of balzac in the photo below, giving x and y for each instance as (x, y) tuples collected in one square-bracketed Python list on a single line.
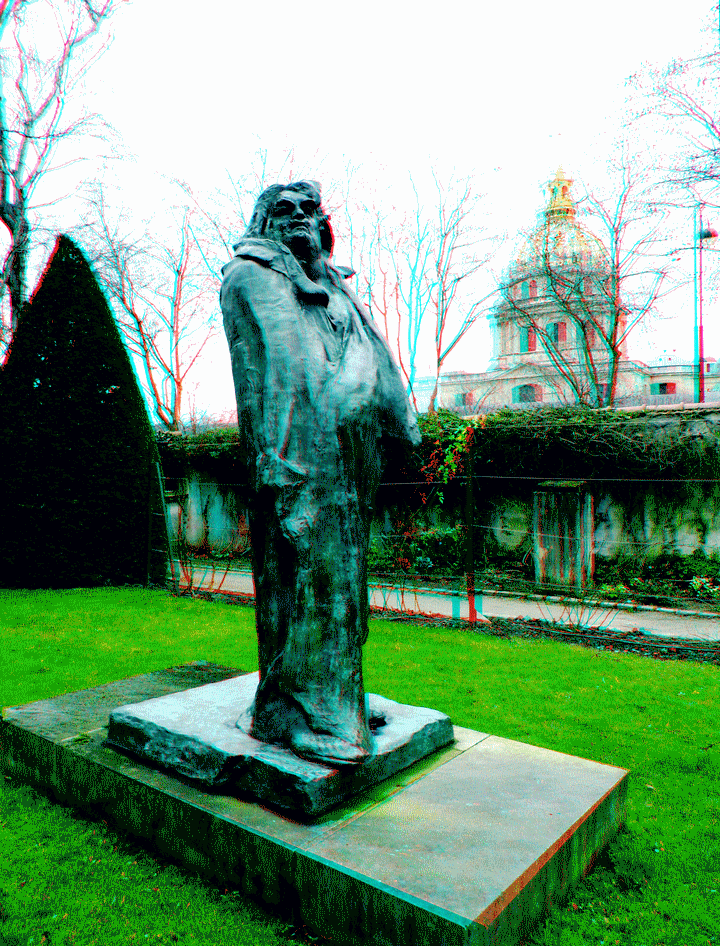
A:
[(320, 402)]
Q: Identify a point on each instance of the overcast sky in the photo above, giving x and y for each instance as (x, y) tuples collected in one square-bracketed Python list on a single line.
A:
[(504, 91)]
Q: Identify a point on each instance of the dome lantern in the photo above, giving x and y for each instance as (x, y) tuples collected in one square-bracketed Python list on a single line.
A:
[(561, 203)]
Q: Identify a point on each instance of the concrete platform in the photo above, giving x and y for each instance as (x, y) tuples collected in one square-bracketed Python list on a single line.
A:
[(468, 846)]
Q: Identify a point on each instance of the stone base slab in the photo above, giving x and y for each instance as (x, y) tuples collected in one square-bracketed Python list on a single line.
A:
[(468, 846), (193, 733)]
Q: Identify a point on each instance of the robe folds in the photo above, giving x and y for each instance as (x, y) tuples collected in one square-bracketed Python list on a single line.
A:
[(319, 399)]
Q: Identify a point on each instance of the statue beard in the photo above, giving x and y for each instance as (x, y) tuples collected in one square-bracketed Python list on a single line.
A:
[(304, 248)]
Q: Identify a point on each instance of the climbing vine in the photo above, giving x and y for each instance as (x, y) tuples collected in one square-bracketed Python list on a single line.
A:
[(556, 443), (551, 443)]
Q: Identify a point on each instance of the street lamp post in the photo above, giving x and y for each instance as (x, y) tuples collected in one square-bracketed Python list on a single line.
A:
[(701, 233)]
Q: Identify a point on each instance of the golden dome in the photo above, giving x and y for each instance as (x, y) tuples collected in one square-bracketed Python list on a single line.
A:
[(559, 241)]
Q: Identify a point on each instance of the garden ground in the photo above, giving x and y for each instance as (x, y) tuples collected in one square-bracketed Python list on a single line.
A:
[(69, 879)]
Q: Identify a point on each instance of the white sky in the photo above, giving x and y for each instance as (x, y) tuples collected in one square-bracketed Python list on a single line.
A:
[(505, 91)]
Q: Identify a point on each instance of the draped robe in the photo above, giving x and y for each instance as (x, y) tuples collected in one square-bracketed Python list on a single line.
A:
[(319, 399)]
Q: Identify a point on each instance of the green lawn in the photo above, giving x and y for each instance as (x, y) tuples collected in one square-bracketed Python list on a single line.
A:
[(68, 879)]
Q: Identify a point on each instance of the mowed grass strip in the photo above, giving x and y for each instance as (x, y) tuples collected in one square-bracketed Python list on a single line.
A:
[(69, 879)]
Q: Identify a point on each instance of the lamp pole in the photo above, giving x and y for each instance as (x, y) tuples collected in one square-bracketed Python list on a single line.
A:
[(701, 233)]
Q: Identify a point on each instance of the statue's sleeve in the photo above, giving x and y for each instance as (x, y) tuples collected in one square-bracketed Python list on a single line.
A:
[(400, 419), (260, 319)]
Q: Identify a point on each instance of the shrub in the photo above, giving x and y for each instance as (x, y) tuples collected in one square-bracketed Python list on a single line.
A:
[(82, 503)]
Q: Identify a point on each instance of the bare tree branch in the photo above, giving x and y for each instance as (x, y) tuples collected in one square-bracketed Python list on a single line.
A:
[(415, 268), (35, 87), (164, 296)]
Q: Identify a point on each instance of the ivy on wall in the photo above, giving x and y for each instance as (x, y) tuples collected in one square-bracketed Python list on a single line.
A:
[(574, 443), (551, 443)]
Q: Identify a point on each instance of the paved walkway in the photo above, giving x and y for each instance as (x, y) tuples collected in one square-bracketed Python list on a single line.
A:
[(662, 623)]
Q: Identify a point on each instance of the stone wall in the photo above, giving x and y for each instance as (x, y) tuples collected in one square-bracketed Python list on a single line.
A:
[(643, 521), (208, 519), (639, 518)]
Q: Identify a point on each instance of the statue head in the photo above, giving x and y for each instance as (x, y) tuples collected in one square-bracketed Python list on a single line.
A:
[(292, 214)]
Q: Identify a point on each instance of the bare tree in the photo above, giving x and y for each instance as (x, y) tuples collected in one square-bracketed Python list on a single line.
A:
[(378, 285), (415, 266), (407, 247), (456, 257), (579, 298), (47, 49), (678, 104), (165, 297)]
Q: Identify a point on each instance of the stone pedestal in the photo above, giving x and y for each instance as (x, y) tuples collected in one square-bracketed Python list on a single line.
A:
[(193, 733), (468, 846)]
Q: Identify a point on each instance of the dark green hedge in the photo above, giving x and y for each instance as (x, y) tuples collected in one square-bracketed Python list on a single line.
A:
[(81, 502)]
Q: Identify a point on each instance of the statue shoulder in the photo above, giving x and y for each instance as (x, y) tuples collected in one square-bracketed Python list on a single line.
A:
[(250, 278), (240, 268)]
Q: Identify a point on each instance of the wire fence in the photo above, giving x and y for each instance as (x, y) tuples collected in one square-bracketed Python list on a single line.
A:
[(472, 573)]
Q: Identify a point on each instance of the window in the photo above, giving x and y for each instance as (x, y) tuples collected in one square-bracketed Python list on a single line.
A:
[(528, 340), (586, 339), (663, 387), (525, 290), (504, 338), (589, 287), (533, 289), (464, 398), (527, 394), (558, 333)]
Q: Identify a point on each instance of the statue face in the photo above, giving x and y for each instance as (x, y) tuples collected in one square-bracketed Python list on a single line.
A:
[(294, 222)]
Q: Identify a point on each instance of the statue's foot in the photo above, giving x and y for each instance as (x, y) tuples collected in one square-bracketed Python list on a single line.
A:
[(329, 750)]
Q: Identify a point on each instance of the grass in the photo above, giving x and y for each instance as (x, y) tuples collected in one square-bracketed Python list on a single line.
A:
[(68, 879)]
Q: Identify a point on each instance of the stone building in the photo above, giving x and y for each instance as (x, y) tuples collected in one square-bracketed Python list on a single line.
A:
[(558, 297)]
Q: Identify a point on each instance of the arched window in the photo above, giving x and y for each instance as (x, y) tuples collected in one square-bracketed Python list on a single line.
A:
[(533, 289), (588, 285), (525, 290), (565, 191), (527, 394)]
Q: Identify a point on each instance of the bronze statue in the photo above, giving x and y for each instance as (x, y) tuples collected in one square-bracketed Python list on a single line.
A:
[(320, 401)]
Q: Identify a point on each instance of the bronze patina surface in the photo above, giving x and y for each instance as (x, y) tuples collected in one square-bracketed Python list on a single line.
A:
[(321, 406)]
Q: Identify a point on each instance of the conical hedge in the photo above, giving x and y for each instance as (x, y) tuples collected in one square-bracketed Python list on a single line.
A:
[(80, 494)]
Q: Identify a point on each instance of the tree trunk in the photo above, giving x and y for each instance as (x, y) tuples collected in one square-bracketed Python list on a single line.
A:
[(17, 273)]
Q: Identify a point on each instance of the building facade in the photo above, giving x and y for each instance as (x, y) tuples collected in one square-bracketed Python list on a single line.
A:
[(559, 330)]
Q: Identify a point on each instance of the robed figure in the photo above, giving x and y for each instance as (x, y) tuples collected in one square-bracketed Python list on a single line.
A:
[(320, 403)]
